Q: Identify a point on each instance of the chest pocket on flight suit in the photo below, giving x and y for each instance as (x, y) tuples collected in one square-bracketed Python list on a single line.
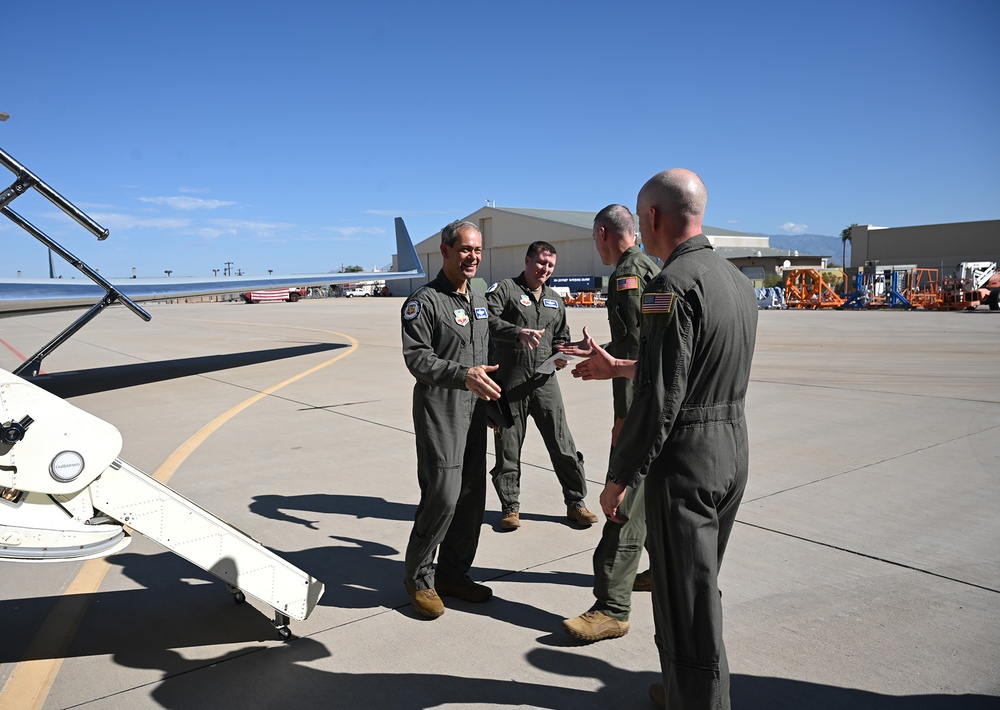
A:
[(454, 338), (653, 326)]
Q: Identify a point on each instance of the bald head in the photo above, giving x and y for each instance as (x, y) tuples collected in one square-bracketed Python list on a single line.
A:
[(676, 191), (671, 206)]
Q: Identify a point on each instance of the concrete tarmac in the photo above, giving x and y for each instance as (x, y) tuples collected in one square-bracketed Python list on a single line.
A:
[(864, 571)]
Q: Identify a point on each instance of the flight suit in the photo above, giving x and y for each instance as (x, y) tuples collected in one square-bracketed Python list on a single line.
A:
[(512, 308), (616, 558), (444, 334), (686, 434)]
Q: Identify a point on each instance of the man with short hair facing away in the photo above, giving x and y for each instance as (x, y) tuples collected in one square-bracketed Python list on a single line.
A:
[(528, 323), (617, 556), (685, 433), (445, 330)]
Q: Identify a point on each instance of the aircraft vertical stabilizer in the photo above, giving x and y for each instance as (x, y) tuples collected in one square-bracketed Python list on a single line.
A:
[(406, 255)]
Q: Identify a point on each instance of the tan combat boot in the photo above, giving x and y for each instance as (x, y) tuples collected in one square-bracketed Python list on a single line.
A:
[(581, 516), (595, 626), (511, 520), (426, 602)]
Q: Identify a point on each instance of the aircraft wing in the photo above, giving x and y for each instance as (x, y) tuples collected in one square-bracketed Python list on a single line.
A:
[(25, 296)]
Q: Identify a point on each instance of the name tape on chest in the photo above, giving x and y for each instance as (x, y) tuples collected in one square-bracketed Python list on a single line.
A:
[(627, 283), (658, 303), (550, 303), (481, 313)]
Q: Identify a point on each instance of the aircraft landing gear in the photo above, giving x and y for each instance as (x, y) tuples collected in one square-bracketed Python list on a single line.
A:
[(238, 596), (281, 624), (281, 621)]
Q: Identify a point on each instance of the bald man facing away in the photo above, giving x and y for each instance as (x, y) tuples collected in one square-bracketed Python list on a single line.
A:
[(685, 434)]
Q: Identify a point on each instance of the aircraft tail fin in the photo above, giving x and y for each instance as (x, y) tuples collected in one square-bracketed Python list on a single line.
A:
[(406, 255)]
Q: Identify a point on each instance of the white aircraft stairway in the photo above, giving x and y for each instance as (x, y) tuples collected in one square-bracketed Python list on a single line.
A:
[(64, 495)]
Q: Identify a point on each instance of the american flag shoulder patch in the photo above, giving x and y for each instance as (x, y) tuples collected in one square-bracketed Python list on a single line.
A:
[(626, 283), (657, 303)]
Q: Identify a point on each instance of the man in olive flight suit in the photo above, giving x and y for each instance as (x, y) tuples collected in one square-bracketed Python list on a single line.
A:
[(446, 348), (616, 558), (528, 322), (685, 433)]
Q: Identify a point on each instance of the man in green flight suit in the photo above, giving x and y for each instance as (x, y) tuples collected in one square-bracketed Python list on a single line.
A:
[(446, 349), (685, 433), (616, 558), (528, 322)]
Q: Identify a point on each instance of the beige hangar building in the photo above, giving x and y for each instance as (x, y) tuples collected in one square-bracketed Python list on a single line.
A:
[(932, 246), (507, 232)]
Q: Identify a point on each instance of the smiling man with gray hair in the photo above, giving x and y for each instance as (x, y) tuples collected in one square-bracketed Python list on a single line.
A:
[(445, 330)]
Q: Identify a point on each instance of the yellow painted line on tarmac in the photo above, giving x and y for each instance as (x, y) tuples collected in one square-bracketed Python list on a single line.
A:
[(31, 680), (167, 469)]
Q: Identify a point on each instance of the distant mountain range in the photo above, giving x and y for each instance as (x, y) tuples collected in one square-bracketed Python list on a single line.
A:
[(812, 245)]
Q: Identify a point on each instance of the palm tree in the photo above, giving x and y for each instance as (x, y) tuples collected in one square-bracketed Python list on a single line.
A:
[(845, 236)]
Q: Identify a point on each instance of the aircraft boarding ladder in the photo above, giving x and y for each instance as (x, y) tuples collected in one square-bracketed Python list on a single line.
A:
[(64, 496)]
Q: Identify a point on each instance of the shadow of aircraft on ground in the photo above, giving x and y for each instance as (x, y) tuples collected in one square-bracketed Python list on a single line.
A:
[(76, 383)]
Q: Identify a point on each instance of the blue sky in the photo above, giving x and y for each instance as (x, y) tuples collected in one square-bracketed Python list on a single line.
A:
[(287, 136)]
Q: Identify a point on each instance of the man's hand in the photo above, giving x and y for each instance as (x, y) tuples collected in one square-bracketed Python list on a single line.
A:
[(530, 338), (600, 365), (481, 384), (578, 349), (611, 498)]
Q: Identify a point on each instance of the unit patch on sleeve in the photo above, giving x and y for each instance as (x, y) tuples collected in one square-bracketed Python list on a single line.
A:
[(411, 311), (481, 313), (493, 288), (658, 303), (627, 283)]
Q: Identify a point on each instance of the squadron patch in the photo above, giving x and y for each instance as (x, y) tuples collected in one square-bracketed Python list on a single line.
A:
[(461, 317), (481, 313), (627, 283), (411, 311), (658, 303), (550, 303), (493, 288), (525, 299)]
